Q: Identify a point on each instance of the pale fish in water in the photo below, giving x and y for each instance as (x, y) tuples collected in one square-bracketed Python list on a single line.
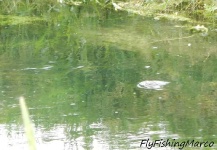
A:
[(152, 84)]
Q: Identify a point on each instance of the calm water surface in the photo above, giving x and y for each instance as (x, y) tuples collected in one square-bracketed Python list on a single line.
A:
[(79, 74)]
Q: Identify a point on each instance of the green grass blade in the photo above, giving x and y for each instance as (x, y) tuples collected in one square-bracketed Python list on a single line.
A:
[(27, 124)]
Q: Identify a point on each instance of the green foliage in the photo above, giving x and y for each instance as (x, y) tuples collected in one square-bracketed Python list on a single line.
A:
[(196, 10)]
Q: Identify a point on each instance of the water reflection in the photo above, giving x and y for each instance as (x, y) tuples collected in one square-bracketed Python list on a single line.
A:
[(13, 137), (79, 78)]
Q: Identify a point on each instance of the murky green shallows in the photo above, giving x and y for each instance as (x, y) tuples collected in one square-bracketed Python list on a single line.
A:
[(98, 78)]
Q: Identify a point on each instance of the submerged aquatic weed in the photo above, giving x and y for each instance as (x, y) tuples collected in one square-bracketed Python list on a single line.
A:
[(27, 124)]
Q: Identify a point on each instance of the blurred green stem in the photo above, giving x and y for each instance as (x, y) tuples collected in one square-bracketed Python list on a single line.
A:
[(27, 124)]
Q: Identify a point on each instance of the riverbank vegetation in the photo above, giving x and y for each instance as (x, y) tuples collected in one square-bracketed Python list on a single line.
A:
[(184, 10)]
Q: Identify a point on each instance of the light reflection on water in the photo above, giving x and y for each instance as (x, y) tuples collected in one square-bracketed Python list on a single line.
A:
[(13, 137)]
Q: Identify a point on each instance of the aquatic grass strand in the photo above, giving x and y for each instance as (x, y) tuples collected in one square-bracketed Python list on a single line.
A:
[(27, 124)]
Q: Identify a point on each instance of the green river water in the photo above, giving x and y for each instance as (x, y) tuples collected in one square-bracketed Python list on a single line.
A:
[(79, 70)]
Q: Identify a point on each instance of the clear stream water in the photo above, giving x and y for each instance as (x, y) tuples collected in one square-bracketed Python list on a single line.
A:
[(79, 73)]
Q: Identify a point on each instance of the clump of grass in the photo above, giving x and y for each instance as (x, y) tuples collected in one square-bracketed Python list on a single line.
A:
[(195, 10), (27, 124)]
